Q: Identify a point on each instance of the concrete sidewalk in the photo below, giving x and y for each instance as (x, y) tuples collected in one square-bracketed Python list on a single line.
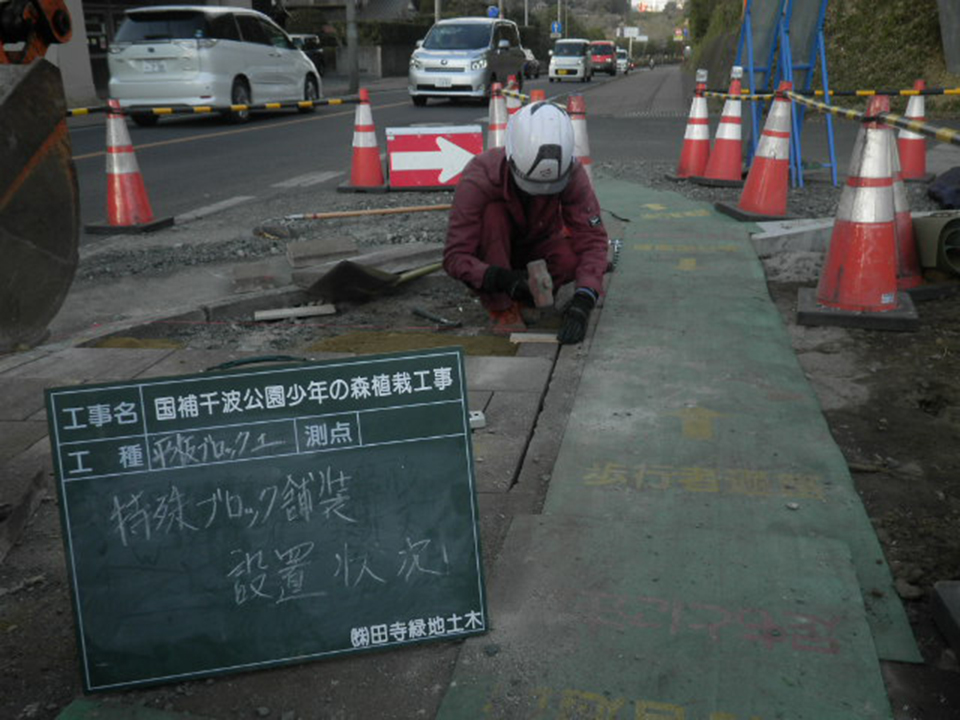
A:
[(669, 529)]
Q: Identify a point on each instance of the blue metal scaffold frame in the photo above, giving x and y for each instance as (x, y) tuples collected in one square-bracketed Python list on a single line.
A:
[(781, 67)]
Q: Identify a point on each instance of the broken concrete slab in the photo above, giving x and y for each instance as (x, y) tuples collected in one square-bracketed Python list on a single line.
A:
[(24, 480), (396, 259)]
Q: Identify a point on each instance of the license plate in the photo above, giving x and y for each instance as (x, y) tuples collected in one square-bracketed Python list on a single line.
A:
[(563, 72), (154, 66), (443, 82)]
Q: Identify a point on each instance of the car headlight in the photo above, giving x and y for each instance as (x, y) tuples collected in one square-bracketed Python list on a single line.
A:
[(415, 63), (478, 64)]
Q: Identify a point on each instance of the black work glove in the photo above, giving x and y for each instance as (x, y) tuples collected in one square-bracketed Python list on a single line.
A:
[(573, 327), (512, 282)]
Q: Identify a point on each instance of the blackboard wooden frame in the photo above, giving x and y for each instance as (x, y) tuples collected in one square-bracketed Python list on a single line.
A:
[(240, 520)]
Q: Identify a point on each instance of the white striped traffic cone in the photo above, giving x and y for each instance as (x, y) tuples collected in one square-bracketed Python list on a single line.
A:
[(366, 169), (696, 138), (725, 166), (128, 208), (908, 257), (577, 110), (858, 283), (764, 195), (913, 146), (497, 126), (513, 101)]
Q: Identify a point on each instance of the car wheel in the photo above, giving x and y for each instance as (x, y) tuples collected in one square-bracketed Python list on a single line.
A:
[(145, 119), (311, 92), (418, 100), (239, 95)]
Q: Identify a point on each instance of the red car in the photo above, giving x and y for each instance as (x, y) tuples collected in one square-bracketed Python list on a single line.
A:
[(604, 55)]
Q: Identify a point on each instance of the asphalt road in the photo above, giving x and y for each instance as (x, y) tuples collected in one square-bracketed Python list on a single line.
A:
[(196, 165)]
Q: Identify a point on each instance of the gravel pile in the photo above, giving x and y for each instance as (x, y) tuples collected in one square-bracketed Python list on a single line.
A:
[(258, 238)]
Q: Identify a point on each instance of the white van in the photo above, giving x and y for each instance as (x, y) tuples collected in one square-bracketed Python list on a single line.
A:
[(570, 60), (463, 57), (188, 55)]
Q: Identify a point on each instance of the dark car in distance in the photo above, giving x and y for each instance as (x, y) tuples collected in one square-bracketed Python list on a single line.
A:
[(310, 44)]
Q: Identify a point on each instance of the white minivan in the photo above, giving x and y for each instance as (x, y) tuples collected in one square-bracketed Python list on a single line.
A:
[(570, 60), (463, 57), (198, 55)]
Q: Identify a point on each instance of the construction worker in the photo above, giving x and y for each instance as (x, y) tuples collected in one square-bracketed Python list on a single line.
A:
[(526, 201)]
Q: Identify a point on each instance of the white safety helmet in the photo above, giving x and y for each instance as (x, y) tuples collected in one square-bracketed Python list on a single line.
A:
[(539, 147)]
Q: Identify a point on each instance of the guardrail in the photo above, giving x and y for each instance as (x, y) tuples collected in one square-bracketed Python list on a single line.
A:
[(208, 109)]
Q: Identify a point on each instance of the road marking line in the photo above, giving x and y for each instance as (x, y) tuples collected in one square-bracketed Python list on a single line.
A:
[(687, 264), (309, 179), (216, 207)]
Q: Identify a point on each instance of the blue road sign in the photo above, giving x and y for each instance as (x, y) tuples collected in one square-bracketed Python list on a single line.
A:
[(556, 27), (493, 11)]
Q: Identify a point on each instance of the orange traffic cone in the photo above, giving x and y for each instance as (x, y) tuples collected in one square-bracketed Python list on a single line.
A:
[(538, 95), (764, 195), (858, 284), (913, 146), (725, 166), (908, 257), (366, 170), (577, 110), (513, 98), (696, 138), (128, 208), (497, 126)]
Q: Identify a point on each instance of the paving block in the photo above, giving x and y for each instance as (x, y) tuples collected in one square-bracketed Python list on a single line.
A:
[(305, 253), (253, 276), (946, 611), (507, 373)]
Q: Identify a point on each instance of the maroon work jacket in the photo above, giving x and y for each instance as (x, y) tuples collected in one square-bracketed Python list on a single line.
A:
[(542, 218)]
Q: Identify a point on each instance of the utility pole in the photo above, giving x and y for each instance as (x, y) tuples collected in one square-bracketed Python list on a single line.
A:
[(436, 10), (526, 14), (353, 67)]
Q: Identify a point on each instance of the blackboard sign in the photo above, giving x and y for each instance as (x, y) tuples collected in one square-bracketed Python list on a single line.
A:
[(238, 520)]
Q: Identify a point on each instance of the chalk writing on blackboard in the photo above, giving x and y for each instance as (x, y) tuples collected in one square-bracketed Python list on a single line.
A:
[(245, 519)]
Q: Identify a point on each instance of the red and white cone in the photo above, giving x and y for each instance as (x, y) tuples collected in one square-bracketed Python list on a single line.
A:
[(497, 126), (577, 110), (725, 166), (696, 138), (913, 146), (858, 283), (366, 168), (513, 99), (909, 274), (128, 208), (764, 195)]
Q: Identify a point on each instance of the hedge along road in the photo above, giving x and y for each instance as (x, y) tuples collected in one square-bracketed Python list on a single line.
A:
[(198, 164)]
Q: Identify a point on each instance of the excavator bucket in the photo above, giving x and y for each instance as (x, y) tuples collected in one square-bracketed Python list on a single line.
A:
[(39, 203)]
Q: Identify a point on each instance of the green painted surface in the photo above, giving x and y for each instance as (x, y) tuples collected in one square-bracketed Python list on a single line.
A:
[(696, 413), (611, 620), (702, 553)]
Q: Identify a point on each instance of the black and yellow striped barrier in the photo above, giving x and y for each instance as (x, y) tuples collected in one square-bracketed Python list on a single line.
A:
[(745, 94), (207, 109), (945, 135)]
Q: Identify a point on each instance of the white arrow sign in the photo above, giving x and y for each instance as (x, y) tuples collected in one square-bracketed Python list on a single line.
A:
[(450, 160)]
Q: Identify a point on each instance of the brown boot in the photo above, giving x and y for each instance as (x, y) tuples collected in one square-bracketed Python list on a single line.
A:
[(507, 321)]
